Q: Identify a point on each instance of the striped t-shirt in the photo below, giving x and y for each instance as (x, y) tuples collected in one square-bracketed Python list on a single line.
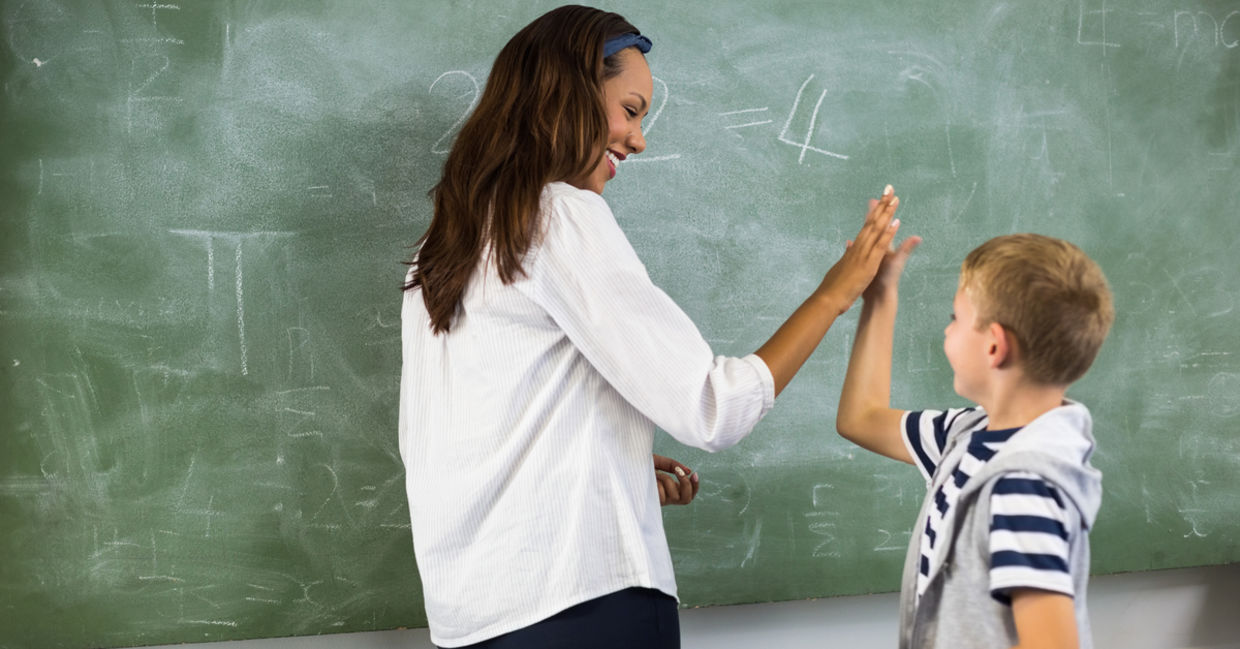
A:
[(1028, 522)]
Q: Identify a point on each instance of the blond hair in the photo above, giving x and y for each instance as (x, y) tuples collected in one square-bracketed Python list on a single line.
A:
[(1050, 296)]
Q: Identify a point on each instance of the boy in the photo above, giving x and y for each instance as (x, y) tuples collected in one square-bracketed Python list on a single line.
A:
[(1000, 553)]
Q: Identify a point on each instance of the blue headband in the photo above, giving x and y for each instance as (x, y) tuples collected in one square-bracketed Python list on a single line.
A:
[(622, 41)]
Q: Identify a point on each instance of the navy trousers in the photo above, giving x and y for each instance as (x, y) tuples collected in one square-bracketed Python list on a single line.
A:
[(629, 619)]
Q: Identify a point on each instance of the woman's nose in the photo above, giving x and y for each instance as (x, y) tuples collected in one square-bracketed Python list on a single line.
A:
[(637, 141)]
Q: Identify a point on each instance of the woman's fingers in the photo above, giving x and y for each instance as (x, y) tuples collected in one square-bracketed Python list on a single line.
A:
[(878, 219)]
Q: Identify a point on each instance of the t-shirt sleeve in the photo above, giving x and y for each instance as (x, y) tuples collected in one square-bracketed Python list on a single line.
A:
[(926, 433), (1029, 537), (587, 276)]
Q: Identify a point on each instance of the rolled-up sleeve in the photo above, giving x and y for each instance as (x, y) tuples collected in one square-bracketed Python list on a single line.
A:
[(587, 276)]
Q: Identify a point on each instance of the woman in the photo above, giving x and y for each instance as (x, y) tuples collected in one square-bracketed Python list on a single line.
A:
[(539, 357)]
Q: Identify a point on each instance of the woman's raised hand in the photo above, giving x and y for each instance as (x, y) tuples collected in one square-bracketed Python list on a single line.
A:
[(846, 280)]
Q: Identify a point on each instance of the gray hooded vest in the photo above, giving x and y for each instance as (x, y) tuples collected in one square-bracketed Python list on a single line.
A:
[(957, 609)]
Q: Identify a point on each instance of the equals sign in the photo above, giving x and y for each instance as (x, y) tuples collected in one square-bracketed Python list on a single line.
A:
[(320, 191), (750, 113)]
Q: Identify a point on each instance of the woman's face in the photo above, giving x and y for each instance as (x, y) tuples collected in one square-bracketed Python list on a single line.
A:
[(626, 98)]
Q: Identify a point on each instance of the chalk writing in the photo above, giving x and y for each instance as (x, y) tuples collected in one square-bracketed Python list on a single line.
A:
[(747, 112), (1098, 18), (1195, 24), (237, 239), (474, 93), (804, 144)]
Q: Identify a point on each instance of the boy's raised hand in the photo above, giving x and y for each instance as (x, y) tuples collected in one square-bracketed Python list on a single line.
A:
[(855, 270), (887, 279)]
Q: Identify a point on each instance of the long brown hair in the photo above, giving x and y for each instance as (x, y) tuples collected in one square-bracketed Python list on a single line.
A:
[(541, 119)]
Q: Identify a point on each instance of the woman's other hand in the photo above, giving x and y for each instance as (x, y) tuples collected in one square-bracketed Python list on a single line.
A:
[(678, 484)]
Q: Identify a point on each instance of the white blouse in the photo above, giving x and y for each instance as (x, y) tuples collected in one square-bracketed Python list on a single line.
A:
[(526, 431)]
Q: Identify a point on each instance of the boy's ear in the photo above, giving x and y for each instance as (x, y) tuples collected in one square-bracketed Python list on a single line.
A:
[(1001, 351)]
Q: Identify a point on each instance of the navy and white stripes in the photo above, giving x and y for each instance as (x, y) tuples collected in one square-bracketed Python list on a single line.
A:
[(1028, 530), (1028, 536)]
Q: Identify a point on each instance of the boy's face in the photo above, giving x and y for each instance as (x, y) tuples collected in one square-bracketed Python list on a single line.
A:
[(966, 349)]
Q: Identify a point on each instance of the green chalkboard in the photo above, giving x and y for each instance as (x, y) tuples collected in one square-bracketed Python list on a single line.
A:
[(204, 207)]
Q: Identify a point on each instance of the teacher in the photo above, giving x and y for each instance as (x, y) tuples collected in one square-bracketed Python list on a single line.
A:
[(539, 357)]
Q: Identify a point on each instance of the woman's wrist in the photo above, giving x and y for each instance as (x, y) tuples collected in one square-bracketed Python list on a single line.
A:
[(830, 301)]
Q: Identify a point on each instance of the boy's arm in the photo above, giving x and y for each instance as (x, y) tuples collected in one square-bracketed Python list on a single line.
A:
[(1044, 619), (865, 415)]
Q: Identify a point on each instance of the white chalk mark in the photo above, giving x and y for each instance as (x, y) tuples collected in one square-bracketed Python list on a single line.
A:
[(1180, 291), (805, 146), (155, 7), (918, 74), (241, 313), (305, 592), (1080, 27), (464, 114), (212, 622), (746, 111), (1222, 30), (1192, 521), (166, 39), (951, 154), (660, 158), (317, 387), (134, 92), (755, 539), (1107, 107), (382, 324), (210, 264), (303, 341), (335, 487), (748, 124), (210, 514), (1149, 515), (967, 201), (37, 63), (883, 545), (662, 104), (189, 474), (814, 497), (237, 238), (40, 192), (824, 529), (230, 235), (813, 121), (274, 485)]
